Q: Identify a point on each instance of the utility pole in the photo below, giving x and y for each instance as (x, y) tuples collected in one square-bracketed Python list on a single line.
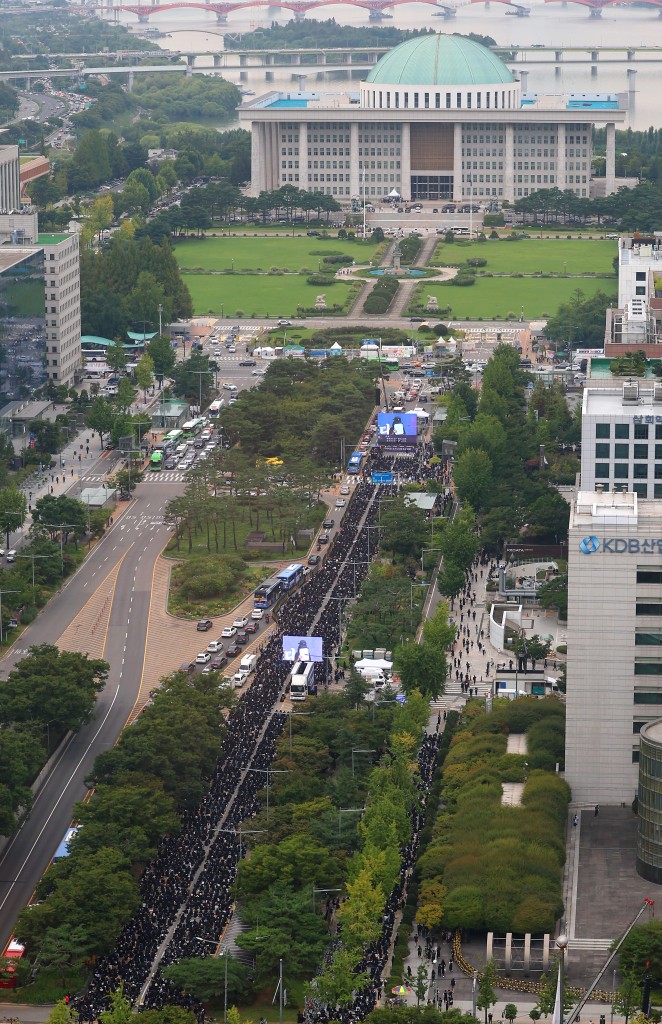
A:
[(2, 594)]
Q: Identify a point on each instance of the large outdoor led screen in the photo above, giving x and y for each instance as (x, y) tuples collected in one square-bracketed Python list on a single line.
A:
[(302, 648), (397, 428)]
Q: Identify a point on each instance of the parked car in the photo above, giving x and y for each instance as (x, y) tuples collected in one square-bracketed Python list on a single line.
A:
[(204, 625)]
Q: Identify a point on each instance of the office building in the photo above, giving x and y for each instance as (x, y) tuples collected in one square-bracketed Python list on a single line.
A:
[(10, 179), (622, 437), (649, 809), (636, 323), (439, 117), (614, 663)]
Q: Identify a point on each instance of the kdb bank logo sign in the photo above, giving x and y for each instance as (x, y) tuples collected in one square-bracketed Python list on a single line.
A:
[(621, 545), (589, 545)]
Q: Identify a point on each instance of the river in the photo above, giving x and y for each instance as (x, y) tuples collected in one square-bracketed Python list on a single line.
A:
[(554, 24)]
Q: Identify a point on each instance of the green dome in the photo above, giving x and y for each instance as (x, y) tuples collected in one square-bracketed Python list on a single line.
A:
[(440, 60)]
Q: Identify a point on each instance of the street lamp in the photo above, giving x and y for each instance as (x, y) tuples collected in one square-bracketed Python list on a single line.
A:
[(160, 308), (360, 750), (33, 557), (423, 550), (2, 594), (347, 810), (562, 943), (268, 771), (224, 953), (411, 602)]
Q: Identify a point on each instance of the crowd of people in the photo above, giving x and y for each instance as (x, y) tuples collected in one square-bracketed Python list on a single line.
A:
[(186, 889)]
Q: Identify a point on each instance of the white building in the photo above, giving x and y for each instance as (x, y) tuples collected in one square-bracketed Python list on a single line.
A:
[(10, 179), (636, 323), (439, 117), (614, 641), (622, 437)]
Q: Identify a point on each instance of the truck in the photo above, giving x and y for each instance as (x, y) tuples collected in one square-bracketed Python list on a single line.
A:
[(248, 663), (302, 682)]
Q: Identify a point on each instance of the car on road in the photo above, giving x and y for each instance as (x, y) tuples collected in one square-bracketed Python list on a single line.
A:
[(187, 667), (328, 524), (248, 362), (214, 646), (284, 323), (11, 555), (204, 625), (230, 387), (314, 560), (229, 631), (232, 348), (323, 538), (234, 650), (170, 463), (242, 637), (340, 502), (259, 372), (219, 661), (257, 613), (416, 320), (203, 658), (252, 627), (240, 621)]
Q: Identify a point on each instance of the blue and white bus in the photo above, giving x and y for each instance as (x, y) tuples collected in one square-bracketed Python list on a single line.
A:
[(355, 463), (267, 593), (63, 849), (291, 576)]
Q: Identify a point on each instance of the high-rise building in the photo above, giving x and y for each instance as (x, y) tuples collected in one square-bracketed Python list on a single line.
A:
[(10, 179)]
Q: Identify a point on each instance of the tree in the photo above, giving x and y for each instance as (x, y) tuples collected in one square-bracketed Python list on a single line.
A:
[(438, 632), (63, 1013), (421, 982), (338, 980), (120, 1010), (116, 356), (205, 978), (361, 913), (163, 356), (284, 926), (58, 687), (473, 477), (451, 580), (627, 997), (404, 530), (510, 1011), (131, 815), (145, 372), (420, 667), (100, 417), (125, 394), (643, 947), (356, 688), (64, 949), (486, 989), (431, 895), (13, 510), (58, 513)]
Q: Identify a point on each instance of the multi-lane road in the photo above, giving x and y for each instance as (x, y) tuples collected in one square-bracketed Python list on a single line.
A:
[(103, 609)]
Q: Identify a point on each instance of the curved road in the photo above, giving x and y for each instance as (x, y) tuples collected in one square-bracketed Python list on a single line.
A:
[(134, 543)]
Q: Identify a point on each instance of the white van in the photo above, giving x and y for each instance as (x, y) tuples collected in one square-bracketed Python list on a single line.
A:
[(375, 676), (248, 662), (239, 678)]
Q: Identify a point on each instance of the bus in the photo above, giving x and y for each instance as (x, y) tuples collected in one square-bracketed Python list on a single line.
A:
[(355, 463), (193, 427), (14, 952), (291, 576), (63, 849), (390, 365), (216, 407), (267, 593), (156, 462), (173, 438)]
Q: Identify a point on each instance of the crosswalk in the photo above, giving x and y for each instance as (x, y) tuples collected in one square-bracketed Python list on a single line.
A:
[(166, 476)]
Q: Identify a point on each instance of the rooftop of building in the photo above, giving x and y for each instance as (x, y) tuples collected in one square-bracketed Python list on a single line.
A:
[(595, 510), (439, 59), (652, 731), (643, 249), (12, 255), (627, 398), (53, 239)]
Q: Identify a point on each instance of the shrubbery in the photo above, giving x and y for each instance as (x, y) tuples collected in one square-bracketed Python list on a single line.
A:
[(502, 865), (381, 296)]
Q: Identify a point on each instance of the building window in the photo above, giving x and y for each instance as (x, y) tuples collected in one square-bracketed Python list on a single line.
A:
[(641, 490), (635, 757), (602, 430), (657, 491), (647, 668), (621, 471), (646, 637), (649, 576), (602, 451), (640, 471), (621, 430), (641, 431), (602, 471), (641, 451), (649, 608), (621, 451), (648, 696), (640, 275)]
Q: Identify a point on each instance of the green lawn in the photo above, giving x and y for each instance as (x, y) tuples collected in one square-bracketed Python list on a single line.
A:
[(533, 255), (253, 253), (494, 297), (263, 295)]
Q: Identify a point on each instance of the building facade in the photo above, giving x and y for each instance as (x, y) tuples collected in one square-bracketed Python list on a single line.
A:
[(622, 438), (635, 325), (10, 179), (649, 800), (62, 305), (614, 667), (439, 117)]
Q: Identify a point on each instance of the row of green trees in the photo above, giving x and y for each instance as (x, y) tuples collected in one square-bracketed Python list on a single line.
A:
[(498, 469), (45, 695), (141, 787), (632, 209), (501, 866)]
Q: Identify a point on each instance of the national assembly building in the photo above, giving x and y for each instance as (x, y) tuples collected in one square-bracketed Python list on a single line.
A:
[(439, 117)]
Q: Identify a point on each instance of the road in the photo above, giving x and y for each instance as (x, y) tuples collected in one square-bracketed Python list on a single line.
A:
[(105, 608)]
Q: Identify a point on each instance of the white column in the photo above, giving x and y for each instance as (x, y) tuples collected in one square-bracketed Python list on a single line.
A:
[(509, 163), (610, 168), (405, 160), (560, 157), (257, 158), (303, 156), (354, 174), (457, 162)]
